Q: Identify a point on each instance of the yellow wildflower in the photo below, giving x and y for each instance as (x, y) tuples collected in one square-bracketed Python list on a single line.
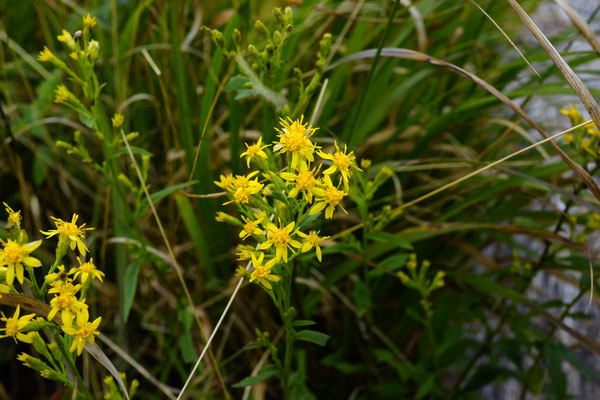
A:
[(60, 275), (74, 55), (294, 139), (569, 138), (594, 221), (225, 182), (340, 162), (571, 112), (281, 238), (89, 21), (305, 181), (69, 231), (254, 151), (244, 252), (245, 181), (14, 255), (62, 94), (243, 194), (15, 326), (87, 270), (85, 332), (312, 240), (64, 287), (45, 55), (412, 262), (593, 131), (69, 307), (68, 40), (14, 217), (117, 120), (328, 196), (586, 145), (250, 228), (262, 273)]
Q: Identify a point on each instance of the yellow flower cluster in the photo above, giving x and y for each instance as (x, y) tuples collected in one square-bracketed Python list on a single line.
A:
[(68, 299), (584, 139), (276, 206)]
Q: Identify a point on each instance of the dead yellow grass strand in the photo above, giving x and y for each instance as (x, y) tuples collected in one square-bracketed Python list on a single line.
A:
[(506, 36), (576, 83), (172, 255), (585, 29), (407, 54), (464, 178)]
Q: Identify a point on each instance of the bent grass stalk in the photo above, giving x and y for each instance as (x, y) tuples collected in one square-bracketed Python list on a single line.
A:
[(175, 263)]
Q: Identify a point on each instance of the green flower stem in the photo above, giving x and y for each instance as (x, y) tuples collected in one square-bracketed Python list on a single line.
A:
[(80, 384), (50, 271), (34, 285)]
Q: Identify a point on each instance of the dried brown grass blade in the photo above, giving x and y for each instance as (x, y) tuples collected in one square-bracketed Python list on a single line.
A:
[(36, 306), (581, 24), (407, 54), (505, 36), (576, 83)]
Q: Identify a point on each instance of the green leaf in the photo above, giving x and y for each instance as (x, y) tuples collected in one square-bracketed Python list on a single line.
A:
[(558, 379), (385, 237), (303, 322), (130, 283), (134, 150), (313, 336), (573, 359), (265, 373)]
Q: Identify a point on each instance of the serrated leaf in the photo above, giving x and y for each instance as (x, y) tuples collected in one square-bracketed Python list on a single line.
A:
[(313, 337)]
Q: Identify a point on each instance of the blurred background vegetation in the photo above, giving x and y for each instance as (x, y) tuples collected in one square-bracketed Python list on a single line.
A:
[(517, 243)]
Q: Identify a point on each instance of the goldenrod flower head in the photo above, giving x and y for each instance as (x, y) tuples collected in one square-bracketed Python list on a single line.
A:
[(312, 240), (586, 145), (294, 139), (254, 151), (89, 21), (571, 112), (70, 232), (65, 287), (340, 162), (365, 163), (305, 181), (593, 131), (221, 216), (68, 40), (412, 261), (62, 94), (328, 196), (117, 120), (569, 138), (250, 228), (244, 252), (594, 222), (74, 55), (14, 217), (245, 188), (59, 275), (438, 281), (245, 181), (69, 307), (93, 49), (86, 331), (15, 325), (225, 182), (14, 255), (262, 273), (86, 270), (280, 237), (45, 55)]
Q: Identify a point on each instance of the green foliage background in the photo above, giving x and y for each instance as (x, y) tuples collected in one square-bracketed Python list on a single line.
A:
[(431, 126)]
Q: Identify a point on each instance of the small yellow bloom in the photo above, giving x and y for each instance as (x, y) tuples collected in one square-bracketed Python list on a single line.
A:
[(59, 275), (15, 325), (281, 238), (569, 138), (412, 262), (244, 187), (245, 181), (45, 55), (328, 196), (117, 120), (294, 139), (14, 255), (68, 40), (85, 332), (586, 145), (593, 131), (87, 270), (225, 182), (62, 94), (74, 55), (66, 287), (262, 273), (69, 307), (305, 181), (340, 162), (89, 21), (244, 252), (594, 222), (254, 151), (250, 228), (312, 240), (572, 112), (69, 231), (14, 217)]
